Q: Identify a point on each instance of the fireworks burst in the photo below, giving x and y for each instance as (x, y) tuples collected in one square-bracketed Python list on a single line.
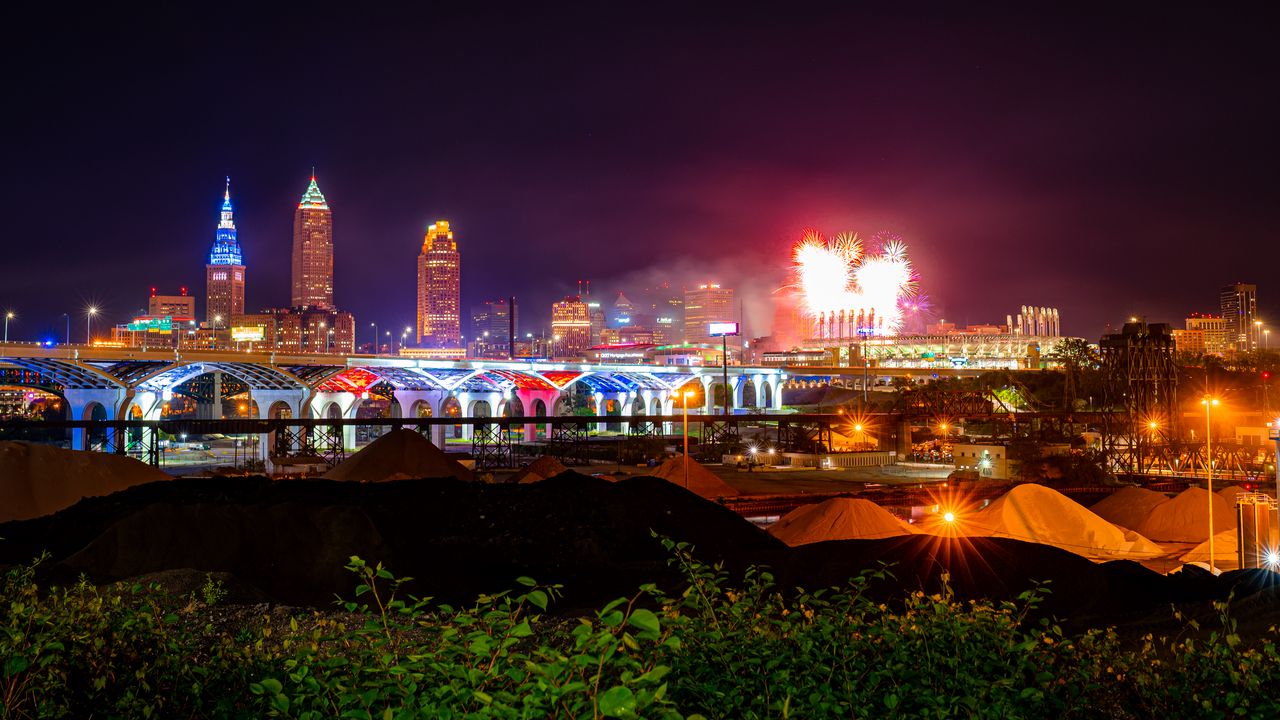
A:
[(850, 289)]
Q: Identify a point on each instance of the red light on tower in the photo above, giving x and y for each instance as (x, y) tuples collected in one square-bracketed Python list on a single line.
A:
[(153, 292), (184, 292)]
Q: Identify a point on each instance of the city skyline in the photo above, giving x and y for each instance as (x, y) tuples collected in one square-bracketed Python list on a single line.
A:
[(1097, 196)]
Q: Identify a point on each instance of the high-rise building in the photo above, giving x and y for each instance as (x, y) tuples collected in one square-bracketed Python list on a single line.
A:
[(312, 251), (1239, 304), (439, 288), (623, 312), (224, 275), (491, 326), (570, 327), (704, 305)]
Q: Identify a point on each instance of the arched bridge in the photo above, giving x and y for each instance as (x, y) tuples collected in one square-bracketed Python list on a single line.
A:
[(125, 384)]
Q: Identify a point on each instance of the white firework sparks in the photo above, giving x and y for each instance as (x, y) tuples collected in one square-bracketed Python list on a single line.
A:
[(862, 290)]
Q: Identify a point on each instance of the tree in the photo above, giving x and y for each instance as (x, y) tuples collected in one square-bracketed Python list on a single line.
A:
[(1077, 358)]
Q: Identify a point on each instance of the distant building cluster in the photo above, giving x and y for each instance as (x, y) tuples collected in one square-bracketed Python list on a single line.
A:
[(1235, 329)]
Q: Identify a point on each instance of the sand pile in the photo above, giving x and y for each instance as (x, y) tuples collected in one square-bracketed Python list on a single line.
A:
[(1185, 518), (838, 519), (701, 480), (1225, 555), (539, 470), (398, 455), (1035, 513), (1128, 507), (1231, 492), (37, 479)]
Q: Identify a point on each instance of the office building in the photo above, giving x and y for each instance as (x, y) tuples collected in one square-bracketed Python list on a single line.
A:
[(570, 327), (439, 289), (704, 305), (312, 266), (1239, 305)]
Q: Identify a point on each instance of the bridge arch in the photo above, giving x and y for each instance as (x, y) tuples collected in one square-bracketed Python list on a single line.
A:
[(452, 407), (747, 393), (766, 395), (280, 410), (421, 409)]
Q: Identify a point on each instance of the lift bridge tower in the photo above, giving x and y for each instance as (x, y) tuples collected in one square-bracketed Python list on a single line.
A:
[(1141, 377)]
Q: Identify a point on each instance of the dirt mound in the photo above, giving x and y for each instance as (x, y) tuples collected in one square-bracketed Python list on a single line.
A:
[(292, 539), (1035, 513), (1185, 518), (701, 480), (838, 519), (538, 470), (37, 479), (1225, 556), (1231, 492), (1128, 507), (398, 455)]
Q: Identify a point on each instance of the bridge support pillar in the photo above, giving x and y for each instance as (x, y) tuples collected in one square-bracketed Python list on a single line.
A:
[(530, 398), (96, 404), (903, 444)]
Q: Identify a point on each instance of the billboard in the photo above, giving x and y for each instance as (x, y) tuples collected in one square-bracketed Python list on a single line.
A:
[(716, 329), (253, 333)]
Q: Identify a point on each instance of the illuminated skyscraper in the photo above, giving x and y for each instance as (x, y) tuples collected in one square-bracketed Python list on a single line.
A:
[(224, 275), (1239, 304), (707, 304), (570, 327), (313, 251), (439, 288)]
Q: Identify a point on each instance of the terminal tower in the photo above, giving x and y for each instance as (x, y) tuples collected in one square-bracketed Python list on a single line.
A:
[(224, 275)]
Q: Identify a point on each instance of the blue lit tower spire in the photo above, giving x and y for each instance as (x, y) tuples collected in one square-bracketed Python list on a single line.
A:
[(225, 273), (226, 251)]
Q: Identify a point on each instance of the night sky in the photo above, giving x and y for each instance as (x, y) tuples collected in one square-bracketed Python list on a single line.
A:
[(1107, 162)]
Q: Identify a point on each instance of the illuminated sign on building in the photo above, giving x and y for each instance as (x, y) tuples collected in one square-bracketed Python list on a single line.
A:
[(718, 329), (253, 333)]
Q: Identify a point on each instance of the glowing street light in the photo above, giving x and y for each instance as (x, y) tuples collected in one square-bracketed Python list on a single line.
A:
[(949, 516), (1209, 403), (88, 319), (7, 317), (374, 325)]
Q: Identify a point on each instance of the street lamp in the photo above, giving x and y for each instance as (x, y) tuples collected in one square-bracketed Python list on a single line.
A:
[(686, 395), (374, 325), (7, 317), (392, 342), (88, 319), (1209, 403), (1257, 330)]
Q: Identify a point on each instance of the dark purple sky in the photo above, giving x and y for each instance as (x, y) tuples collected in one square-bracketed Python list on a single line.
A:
[(1105, 162)]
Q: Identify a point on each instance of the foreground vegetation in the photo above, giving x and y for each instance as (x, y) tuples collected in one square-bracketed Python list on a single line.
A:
[(714, 651)]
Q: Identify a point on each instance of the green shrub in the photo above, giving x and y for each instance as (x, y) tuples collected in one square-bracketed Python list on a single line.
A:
[(118, 651), (716, 649)]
